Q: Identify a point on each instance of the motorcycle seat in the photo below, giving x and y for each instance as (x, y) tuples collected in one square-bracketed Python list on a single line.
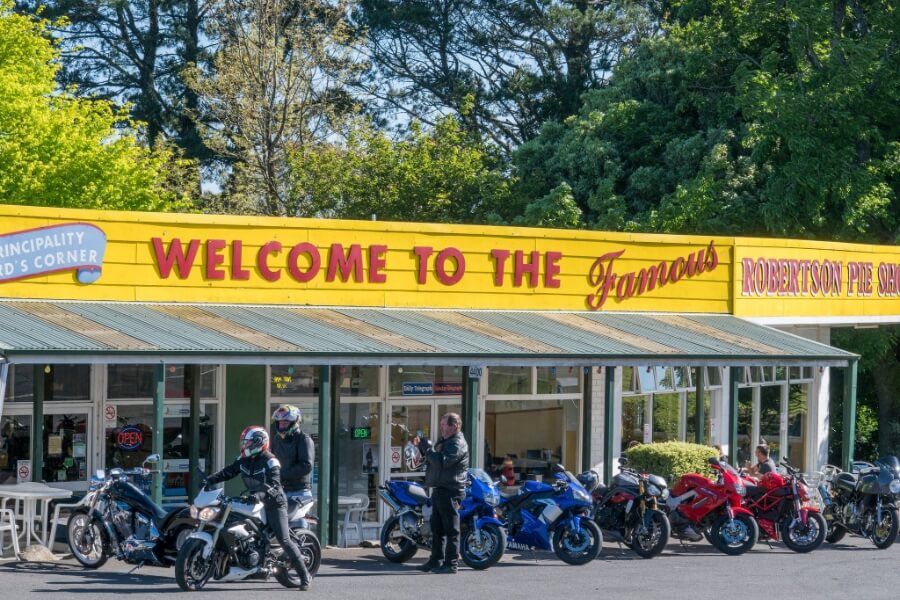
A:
[(418, 494), (755, 491), (295, 502)]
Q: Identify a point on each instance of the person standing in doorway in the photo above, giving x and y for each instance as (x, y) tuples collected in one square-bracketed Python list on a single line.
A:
[(295, 451), (447, 462)]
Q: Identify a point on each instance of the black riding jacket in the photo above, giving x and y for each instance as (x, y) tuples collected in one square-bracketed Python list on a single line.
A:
[(261, 475), (296, 452), (448, 462)]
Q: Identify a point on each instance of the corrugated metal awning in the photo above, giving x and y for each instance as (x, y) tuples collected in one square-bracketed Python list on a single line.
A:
[(106, 332)]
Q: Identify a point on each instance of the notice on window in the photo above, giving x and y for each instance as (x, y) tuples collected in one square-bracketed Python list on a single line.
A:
[(79, 448), (54, 445)]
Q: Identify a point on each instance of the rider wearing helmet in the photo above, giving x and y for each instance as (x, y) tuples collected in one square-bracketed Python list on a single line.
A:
[(294, 449), (261, 474)]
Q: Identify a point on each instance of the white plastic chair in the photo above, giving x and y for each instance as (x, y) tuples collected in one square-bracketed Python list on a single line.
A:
[(354, 518), (8, 524), (57, 520)]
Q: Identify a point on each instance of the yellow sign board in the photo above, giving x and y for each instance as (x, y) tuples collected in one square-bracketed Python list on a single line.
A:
[(49, 253)]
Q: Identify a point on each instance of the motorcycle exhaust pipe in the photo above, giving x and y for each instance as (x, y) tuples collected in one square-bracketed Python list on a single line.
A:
[(823, 493), (389, 500)]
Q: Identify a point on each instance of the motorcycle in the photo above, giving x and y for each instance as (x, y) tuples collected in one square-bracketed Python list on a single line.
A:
[(553, 516), (117, 519), (482, 537), (862, 503), (783, 511), (233, 542), (700, 503), (628, 510)]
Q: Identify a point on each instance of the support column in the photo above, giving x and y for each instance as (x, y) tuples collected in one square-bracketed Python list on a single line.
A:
[(37, 424), (700, 412), (333, 445), (159, 396), (849, 433), (194, 454), (586, 410), (733, 381), (324, 492), (609, 396), (471, 385)]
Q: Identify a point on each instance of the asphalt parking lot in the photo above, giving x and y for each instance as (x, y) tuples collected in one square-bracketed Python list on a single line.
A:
[(693, 571)]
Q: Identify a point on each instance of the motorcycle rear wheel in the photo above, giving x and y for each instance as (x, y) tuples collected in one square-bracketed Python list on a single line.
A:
[(191, 570), (394, 546), (488, 552), (885, 533), (310, 550), (88, 540), (655, 536), (835, 534), (804, 539), (577, 547), (733, 542)]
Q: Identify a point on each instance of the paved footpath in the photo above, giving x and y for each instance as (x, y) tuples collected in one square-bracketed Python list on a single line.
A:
[(852, 569)]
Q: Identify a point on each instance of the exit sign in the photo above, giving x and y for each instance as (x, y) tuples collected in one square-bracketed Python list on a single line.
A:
[(361, 433)]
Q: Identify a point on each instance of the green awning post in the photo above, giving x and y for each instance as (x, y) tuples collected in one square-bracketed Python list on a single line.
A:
[(335, 459), (324, 475), (733, 381), (700, 413), (849, 433), (37, 424), (609, 397), (194, 460), (159, 398), (586, 408), (471, 384)]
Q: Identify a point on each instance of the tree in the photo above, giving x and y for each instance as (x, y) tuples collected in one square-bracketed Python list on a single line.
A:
[(277, 85), (60, 150), (443, 175), (502, 68)]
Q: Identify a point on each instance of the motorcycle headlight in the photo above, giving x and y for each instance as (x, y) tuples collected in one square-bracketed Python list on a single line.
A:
[(665, 494), (581, 496), (492, 499), (653, 490), (895, 486), (740, 489), (194, 512), (209, 513)]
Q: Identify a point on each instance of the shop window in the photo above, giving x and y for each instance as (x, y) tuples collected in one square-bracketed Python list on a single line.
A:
[(646, 380), (132, 382), (691, 426), (359, 452), (780, 374), (425, 381), (129, 440), (65, 447), (713, 376), (664, 379), (807, 372), (507, 381), (681, 377), (796, 373), (558, 380), (359, 381), (768, 374), (797, 424), (294, 381), (62, 383), (629, 383), (15, 445), (666, 417), (634, 418)]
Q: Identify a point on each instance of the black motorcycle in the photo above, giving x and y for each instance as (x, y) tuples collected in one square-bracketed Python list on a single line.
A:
[(862, 503), (628, 510), (117, 519)]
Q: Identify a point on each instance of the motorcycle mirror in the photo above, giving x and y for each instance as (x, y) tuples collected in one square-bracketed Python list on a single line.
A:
[(558, 468), (153, 458), (623, 460), (713, 461)]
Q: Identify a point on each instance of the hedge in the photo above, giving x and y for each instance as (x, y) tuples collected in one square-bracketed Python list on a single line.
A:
[(671, 459)]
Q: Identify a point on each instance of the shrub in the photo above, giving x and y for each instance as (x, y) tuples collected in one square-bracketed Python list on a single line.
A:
[(672, 459)]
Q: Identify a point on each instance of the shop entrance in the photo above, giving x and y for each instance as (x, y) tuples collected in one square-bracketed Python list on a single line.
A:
[(410, 421)]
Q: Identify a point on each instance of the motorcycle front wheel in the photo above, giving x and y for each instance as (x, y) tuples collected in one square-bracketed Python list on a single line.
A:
[(87, 540), (648, 541), (736, 536), (394, 546), (487, 552), (192, 571), (310, 550), (804, 538), (577, 547), (885, 532)]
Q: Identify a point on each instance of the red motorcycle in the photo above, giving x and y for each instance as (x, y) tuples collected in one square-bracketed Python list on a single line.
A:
[(781, 507), (700, 504)]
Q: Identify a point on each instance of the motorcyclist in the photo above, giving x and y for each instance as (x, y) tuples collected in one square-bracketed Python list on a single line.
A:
[(294, 449), (261, 474)]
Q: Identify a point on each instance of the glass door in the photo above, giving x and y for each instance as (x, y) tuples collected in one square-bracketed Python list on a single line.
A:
[(410, 422)]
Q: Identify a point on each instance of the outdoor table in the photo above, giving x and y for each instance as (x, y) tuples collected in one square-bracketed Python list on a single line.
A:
[(30, 494)]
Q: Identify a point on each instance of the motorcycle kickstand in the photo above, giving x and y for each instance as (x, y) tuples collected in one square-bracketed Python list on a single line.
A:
[(136, 567)]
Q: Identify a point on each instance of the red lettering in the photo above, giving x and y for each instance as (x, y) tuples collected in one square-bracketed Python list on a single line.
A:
[(747, 286), (602, 275), (315, 262), (238, 273), (377, 263), (348, 265), (262, 261), (625, 287), (676, 271), (852, 277), (440, 262), (422, 253), (214, 258), (520, 268), (175, 256), (551, 269), (651, 276), (794, 287), (499, 257)]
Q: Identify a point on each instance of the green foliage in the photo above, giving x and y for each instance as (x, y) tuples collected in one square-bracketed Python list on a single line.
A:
[(442, 175), (58, 150), (672, 459)]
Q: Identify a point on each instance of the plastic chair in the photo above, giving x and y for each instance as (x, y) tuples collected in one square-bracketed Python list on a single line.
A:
[(8, 523), (57, 520), (354, 518)]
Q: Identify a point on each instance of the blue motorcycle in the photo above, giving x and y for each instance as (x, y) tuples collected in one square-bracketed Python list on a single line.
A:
[(553, 516), (482, 538)]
